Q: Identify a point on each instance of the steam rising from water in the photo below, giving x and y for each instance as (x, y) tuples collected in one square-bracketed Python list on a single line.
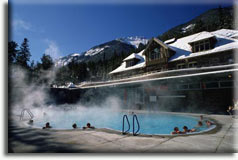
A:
[(36, 98)]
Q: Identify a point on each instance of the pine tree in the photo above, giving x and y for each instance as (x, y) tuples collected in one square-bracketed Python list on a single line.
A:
[(12, 52), (47, 62), (23, 57)]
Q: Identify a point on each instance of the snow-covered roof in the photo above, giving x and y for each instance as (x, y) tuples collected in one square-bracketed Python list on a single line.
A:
[(201, 36), (170, 40), (162, 43), (183, 49), (227, 33), (226, 40), (71, 85), (139, 64), (132, 56)]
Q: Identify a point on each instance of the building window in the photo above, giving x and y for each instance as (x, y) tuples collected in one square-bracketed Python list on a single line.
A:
[(155, 54), (192, 64), (201, 46), (182, 87), (180, 66), (130, 63), (214, 61)]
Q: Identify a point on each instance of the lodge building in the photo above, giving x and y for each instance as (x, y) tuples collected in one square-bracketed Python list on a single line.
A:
[(190, 74), (202, 49)]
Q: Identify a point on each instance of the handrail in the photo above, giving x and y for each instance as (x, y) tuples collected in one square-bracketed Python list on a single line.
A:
[(123, 126), (28, 111), (135, 118)]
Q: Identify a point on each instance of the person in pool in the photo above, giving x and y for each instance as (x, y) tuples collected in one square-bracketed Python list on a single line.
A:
[(89, 126), (74, 126), (47, 125), (209, 123), (201, 118), (199, 125), (186, 130), (30, 122), (176, 131)]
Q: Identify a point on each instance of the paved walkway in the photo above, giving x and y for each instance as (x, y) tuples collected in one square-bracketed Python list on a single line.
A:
[(25, 140)]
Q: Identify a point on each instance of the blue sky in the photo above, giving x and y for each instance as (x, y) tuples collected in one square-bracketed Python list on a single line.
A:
[(60, 28)]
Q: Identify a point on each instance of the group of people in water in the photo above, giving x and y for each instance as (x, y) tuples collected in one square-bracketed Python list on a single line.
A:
[(88, 126), (195, 129), (47, 125)]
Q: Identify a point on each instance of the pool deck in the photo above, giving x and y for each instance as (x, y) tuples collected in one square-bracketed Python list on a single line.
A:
[(31, 140)]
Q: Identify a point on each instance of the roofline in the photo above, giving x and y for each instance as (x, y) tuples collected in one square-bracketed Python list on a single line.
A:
[(130, 58), (159, 42), (203, 54), (128, 70), (213, 36)]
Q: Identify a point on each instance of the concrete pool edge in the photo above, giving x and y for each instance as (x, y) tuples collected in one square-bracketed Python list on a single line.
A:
[(23, 139), (212, 130)]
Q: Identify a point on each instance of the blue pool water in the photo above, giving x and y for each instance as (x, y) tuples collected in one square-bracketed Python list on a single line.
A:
[(150, 123)]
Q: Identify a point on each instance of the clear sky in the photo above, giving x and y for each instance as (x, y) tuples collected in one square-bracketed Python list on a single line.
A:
[(63, 27)]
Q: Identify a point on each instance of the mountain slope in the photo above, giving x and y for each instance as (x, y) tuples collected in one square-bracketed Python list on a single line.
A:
[(104, 51), (210, 20)]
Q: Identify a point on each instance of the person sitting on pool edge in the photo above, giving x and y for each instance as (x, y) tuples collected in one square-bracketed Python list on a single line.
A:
[(89, 126), (47, 125), (74, 126), (186, 130), (176, 131)]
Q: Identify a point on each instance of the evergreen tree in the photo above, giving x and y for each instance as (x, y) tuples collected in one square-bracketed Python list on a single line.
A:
[(47, 62), (221, 17), (12, 52), (199, 26), (23, 57)]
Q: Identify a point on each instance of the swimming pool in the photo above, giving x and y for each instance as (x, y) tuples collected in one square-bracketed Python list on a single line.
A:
[(150, 123)]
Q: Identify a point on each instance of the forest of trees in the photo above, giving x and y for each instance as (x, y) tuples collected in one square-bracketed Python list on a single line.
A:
[(19, 56), (211, 20), (78, 72)]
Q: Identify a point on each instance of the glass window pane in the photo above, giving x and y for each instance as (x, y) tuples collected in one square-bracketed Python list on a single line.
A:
[(202, 47), (212, 85), (196, 48), (194, 86), (207, 46), (227, 84)]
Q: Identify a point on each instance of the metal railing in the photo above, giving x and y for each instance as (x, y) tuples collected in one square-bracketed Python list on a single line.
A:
[(27, 111), (138, 125), (123, 124), (135, 119)]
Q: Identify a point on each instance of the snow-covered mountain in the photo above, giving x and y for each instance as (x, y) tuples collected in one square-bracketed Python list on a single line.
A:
[(134, 41), (63, 61), (104, 51)]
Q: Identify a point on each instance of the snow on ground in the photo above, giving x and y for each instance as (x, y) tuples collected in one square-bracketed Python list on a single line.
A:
[(95, 51), (188, 28)]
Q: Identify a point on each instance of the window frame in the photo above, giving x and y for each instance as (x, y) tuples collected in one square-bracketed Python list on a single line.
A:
[(202, 45)]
